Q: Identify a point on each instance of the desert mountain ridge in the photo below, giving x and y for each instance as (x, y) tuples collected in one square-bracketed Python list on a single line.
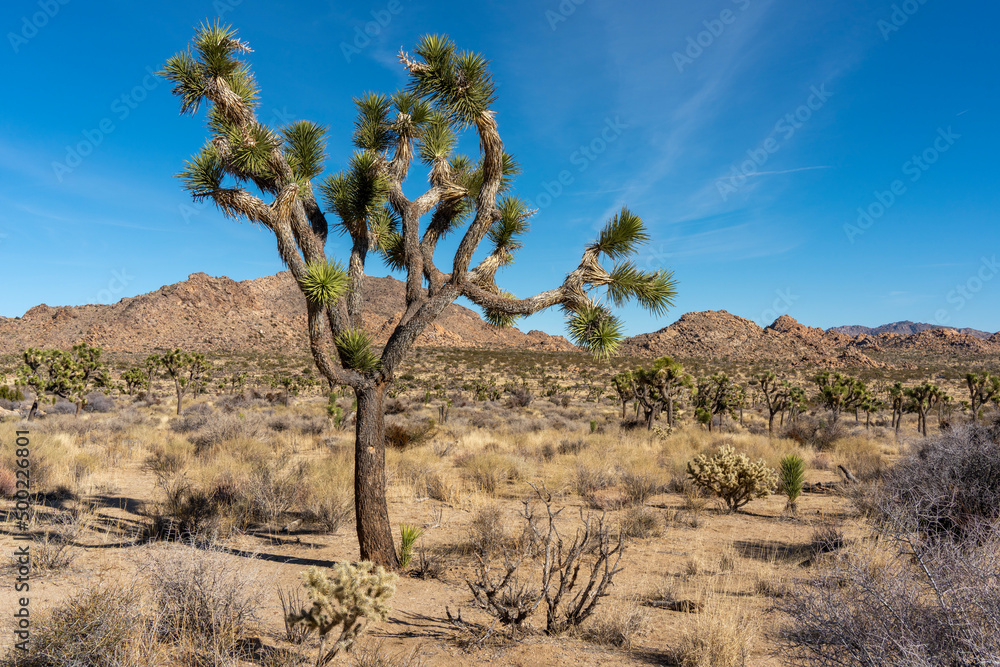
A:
[(905, 328), (268, 314)]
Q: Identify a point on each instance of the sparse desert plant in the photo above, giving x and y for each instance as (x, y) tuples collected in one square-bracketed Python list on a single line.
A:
[(103, 626), (723, 635), (616, 625), (792, 476), (400, 436), (638, 487), (205, 598), (408, 536), (732, 477), (639, 522), (351, 597)]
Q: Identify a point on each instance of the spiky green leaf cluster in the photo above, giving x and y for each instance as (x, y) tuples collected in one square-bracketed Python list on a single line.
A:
[(203, 173), (458, 83), (654, 290), (355, 349), (325, 282), (305, 148), (594, 328), (216, 47), (357, 195), (622, 236)]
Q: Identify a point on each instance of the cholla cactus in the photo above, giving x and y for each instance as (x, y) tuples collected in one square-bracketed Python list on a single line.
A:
[(348, 596), (732, 477)]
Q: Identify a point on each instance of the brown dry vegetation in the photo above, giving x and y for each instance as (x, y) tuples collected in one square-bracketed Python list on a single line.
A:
[(172, 536)]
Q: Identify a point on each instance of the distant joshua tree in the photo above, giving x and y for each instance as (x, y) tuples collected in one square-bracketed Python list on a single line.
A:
[(983, 388), (187, 370), (69, 375), (265, 176)]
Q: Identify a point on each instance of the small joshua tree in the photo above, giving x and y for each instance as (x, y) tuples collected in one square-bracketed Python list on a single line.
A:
[(188, 371), (732, 477), (983, 388), (793, 475), (350, 597), (265, 175), (133, 380)]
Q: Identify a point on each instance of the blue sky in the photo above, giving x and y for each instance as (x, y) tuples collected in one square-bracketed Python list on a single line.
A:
[(835, 161)]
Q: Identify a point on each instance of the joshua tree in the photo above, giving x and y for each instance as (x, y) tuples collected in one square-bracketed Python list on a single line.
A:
[(841, 392), (188, 371), (777, 396), (897, 401), (151, 365), (134, 379), (622, 382), (922, 398), (670, 380), (714, 396), (70, 375), (263, 175), (983, 388)]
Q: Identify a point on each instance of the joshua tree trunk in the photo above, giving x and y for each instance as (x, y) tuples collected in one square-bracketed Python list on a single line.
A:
[(372, 511), (670, 411), (180, 394), (770, 422)]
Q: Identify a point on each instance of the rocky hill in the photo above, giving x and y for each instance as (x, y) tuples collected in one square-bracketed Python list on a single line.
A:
[(268, 315), (721, 335), (219, 314), (904, 328)]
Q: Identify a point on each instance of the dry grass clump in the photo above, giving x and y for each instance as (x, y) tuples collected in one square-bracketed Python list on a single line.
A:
[(616, 625), (488, 471), (227, 427), (639, 522), (723, 635)]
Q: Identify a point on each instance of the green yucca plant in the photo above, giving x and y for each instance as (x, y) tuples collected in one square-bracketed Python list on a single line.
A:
[(408, 536), (792, 474)]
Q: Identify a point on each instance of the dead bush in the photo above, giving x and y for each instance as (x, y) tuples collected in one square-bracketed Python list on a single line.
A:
[(402, 436), (205, 597), (103, 626)]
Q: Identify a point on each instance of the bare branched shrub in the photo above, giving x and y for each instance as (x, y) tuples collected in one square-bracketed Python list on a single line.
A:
[(205, 597), (926, 591), (102, 626)]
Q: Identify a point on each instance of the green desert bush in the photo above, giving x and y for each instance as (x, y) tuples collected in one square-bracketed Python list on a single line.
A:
[(732, 477)]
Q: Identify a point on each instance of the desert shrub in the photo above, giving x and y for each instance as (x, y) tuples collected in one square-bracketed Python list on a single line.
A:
[(226, 427), (103, 626), (574, 574), (402, 436), (489, 470), (880, 604), (639, 522), (638, 487), (125, 420), (732, 477), (616, 626), (591, 478), (826, 539), (721, 636), (99, 402), (61, 407), (193, 418), (946, 486), (572, 446), (205, 597), (488, 531), (191, 513), (350, 597)]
